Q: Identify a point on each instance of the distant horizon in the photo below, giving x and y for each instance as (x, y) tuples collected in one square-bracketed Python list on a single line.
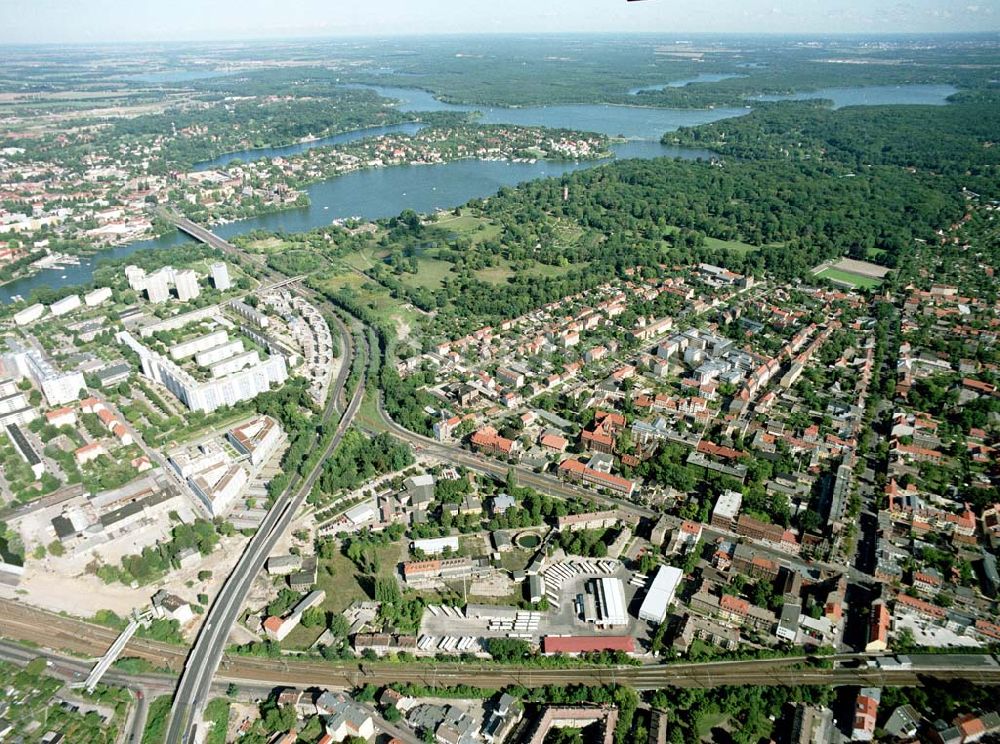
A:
[(192, 21), (675, 36)]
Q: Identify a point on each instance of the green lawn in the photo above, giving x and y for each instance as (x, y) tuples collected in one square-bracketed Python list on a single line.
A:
[(495, 274), (501, 273), (731, 245), (375, 297), (364, 259), (430, 273), (468, 226), (301, 638), (267, 245), (343, 585), (855, 280)]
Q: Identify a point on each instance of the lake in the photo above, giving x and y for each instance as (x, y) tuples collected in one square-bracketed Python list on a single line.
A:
[(635, 122), (879, 95), (370, 194), (701, 77), (385, 192)]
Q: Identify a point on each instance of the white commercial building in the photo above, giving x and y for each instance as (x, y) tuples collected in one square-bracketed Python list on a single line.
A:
[(361, 514), (437, 545), (660, 595), (220, 276), (219, 486), (727, 507), (610, 597), (65, 305), (97, 297)]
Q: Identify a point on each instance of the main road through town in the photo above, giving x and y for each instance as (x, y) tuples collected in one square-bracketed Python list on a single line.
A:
[(203, 661)]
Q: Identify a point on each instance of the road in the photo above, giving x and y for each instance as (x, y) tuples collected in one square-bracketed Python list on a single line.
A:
[(73, 671), (206, 654)]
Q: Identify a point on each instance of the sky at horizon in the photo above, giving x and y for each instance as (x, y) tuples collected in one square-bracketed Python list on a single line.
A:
[(70, 21)]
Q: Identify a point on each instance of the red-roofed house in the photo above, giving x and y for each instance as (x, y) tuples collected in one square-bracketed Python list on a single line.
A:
[(554, 442), (61, 417), (878, 628), (89, 453), (916, 606), (577, 471), (865, 711), (489, 441)]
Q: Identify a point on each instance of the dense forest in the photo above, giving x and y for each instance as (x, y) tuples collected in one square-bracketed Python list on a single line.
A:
[(953, 139)]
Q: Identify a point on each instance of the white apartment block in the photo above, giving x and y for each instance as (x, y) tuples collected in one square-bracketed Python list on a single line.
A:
[(186, 283), (213, 394), (220, 276), (58, 387), (65, 305)]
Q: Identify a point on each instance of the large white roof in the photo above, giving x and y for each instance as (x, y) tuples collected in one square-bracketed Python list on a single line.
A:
[(661, 594)]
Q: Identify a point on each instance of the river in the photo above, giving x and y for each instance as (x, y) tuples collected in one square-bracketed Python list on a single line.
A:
[(384, 192)]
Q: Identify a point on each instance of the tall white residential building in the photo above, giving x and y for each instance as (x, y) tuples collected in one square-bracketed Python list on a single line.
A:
[(65, 305), (209, 395), (248, 313), (186, 282), (29, 315), (98, 296), (199, 344), (220, 276), (157, 286), (136, 277), (217, 353), (234, 363), (58, 387)]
